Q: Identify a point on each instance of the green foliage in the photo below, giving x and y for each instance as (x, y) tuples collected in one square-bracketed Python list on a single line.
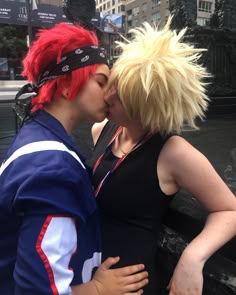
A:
[(215, 18), (12, 41)]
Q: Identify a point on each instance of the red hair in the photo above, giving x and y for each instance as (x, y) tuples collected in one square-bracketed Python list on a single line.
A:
[(50, 46)]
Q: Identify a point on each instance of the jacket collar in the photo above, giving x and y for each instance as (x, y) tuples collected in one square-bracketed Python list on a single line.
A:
[(51, 123)]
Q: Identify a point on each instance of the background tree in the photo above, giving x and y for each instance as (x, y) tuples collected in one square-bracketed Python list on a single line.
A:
[(13, 41)]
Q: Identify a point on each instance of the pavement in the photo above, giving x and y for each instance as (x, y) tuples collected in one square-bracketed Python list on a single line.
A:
[(8, 89), (7, 95), (11, 83)]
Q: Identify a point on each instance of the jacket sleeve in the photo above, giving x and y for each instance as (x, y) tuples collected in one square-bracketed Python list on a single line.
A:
[(54, 203), (45, 247)]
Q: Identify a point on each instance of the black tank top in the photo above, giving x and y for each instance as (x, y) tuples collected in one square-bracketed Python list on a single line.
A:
[(132, 206)]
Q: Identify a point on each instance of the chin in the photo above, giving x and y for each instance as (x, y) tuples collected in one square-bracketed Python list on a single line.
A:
[(109, 116), (112, 118), (99, 119)]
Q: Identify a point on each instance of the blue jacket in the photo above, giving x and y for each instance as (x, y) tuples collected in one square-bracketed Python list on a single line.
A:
[(49, 230)]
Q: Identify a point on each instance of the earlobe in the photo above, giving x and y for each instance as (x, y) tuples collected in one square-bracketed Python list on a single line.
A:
[(66, 87), (65, 92)]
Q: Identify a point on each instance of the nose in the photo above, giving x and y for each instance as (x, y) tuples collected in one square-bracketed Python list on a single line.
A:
[(107, 97), (110, 96)]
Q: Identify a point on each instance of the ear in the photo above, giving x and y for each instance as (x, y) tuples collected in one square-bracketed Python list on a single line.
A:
[(66, 86), (65, 92)]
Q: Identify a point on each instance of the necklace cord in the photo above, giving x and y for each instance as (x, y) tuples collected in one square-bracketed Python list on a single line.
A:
[(141, 141), (119, 145)]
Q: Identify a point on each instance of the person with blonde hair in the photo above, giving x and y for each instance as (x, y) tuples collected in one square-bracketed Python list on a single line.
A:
[(140, 161)]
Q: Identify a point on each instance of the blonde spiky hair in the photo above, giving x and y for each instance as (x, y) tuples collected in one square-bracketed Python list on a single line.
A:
[(158, 78)]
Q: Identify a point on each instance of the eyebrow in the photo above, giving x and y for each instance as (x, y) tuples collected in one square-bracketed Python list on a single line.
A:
[(101, 74)]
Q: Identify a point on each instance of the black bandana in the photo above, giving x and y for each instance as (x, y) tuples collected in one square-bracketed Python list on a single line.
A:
[(75, 59), (78, 58)]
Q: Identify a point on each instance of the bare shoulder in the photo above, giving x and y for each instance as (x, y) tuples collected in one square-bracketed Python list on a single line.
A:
[(176, 147), (193, 172), (182, 157), (97, 129)]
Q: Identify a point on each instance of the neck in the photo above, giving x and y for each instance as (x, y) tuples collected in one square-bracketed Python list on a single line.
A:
[(133, 132), (64, 113), (127, 139)]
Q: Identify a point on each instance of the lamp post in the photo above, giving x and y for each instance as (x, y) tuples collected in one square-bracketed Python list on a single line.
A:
[(29, 22), (30, 6)]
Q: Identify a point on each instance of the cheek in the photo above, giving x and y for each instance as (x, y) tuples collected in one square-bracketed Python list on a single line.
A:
[(118, 111), (97, 98), (99, 92)]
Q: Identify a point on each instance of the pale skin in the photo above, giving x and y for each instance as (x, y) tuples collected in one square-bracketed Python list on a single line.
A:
[(180, 165), (89, 106)]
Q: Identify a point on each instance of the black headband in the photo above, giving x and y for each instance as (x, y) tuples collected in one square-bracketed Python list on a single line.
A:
[(75, 59), (78, 58)]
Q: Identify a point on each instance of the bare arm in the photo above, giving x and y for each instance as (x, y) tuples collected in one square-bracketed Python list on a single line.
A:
[(191, 171)]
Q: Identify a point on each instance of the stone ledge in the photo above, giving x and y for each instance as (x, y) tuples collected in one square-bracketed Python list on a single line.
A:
[(219, 272), (12, 83)]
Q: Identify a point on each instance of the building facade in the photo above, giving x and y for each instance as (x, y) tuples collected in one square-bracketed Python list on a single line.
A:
[(111, 6), (19, 21), (204, 11), (136, 12)]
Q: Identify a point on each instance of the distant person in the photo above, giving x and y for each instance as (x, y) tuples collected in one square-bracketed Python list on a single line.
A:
[(50, 233), (140, 162)]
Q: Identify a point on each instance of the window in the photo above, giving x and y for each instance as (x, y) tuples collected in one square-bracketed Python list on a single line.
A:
[(144, 6), (129, 12), (135, 11), (154, 3), (135, 22), (156, 17), (121, 8), (205, 6), (167, 14), (201, 21)]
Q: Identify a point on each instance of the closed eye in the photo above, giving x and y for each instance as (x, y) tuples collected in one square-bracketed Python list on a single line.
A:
[(102, 84), (101, 79)]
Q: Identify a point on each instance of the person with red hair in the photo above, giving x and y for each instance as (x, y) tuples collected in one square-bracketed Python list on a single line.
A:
[(50, 234)]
